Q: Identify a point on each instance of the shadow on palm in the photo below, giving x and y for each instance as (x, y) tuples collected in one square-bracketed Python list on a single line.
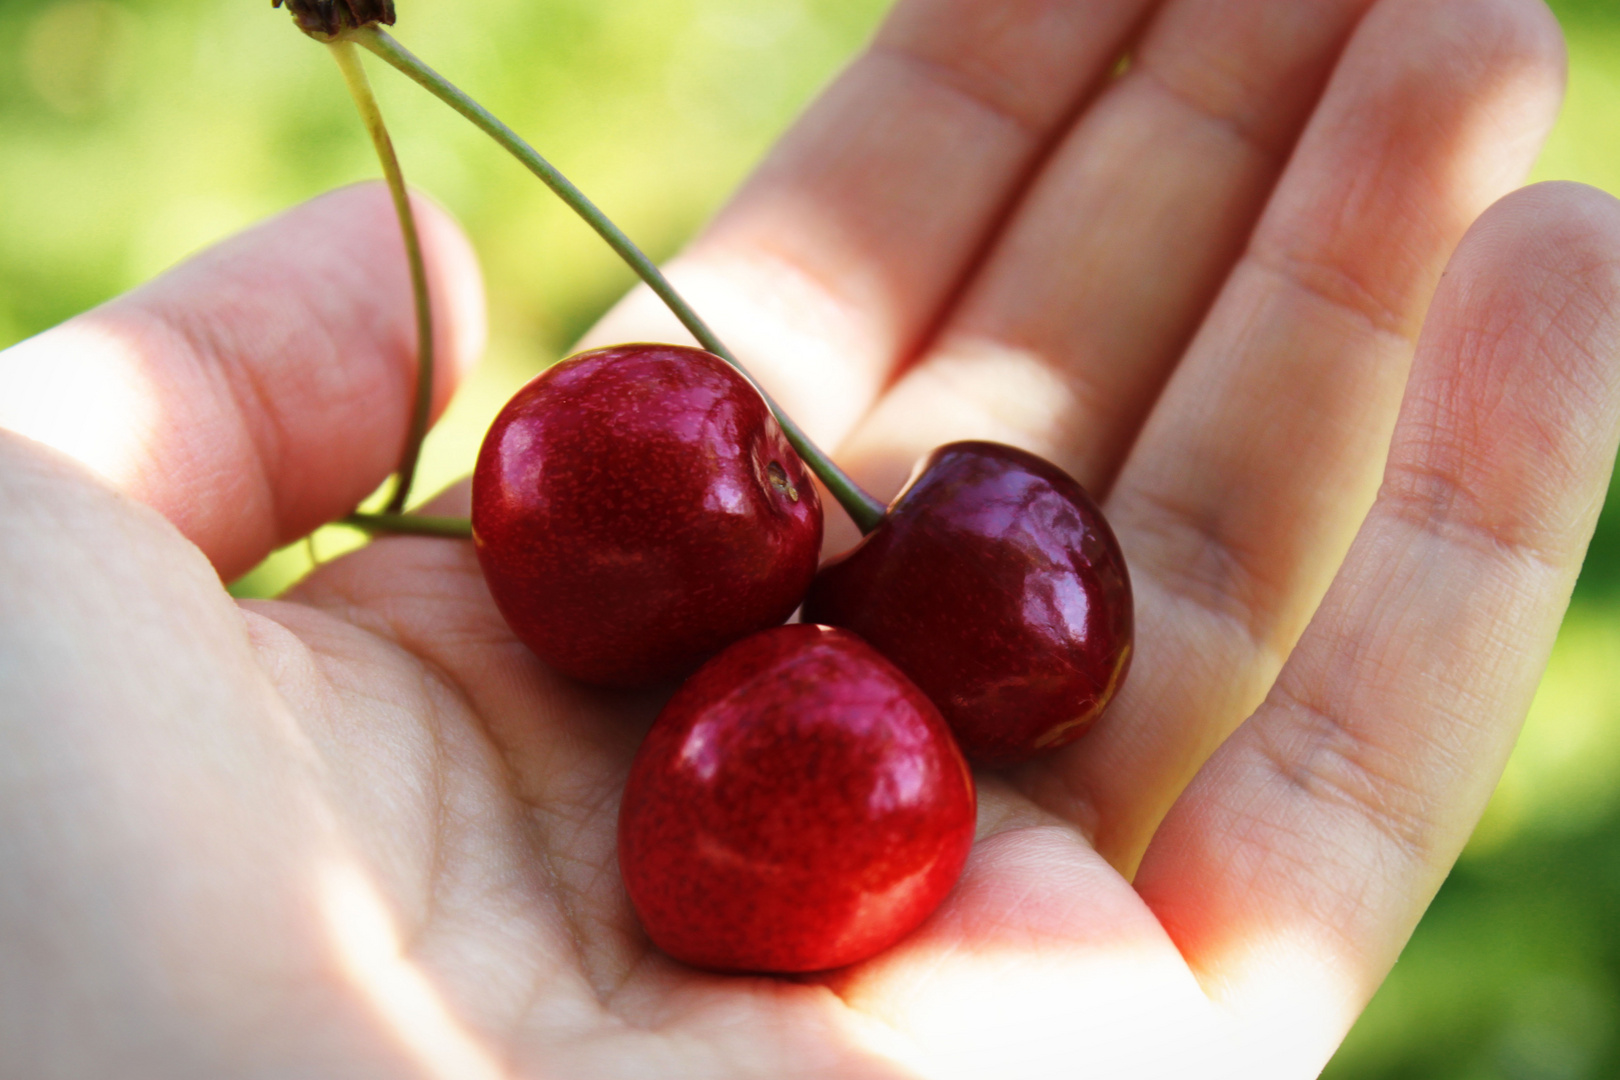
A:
[(483, 790)]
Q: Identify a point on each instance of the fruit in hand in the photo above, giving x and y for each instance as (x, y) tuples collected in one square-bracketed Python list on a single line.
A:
[(798, 805), (636, 509), (995, 583)]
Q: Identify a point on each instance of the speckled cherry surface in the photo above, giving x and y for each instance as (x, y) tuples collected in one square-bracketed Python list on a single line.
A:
[(798, 805), (636, 509), (996, 584)]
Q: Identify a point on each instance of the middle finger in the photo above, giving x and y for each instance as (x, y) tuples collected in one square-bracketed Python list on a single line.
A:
[(1093, 289)]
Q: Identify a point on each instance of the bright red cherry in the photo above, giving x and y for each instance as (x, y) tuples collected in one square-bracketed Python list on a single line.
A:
[(798, 805), (995, 583), (636, 509)]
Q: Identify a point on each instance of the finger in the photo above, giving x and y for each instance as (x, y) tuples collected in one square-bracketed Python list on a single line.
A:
[(1260, 459), (1302, 856), (1090, 295), (265, 386), (834, 261)]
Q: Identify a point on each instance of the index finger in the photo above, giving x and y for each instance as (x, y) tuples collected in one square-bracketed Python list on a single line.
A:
[(264, 387)]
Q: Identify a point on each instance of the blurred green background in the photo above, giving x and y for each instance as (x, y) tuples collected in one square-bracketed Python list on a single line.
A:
[(133, 132)]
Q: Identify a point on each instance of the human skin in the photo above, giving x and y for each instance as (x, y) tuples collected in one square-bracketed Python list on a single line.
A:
[(361, 832)]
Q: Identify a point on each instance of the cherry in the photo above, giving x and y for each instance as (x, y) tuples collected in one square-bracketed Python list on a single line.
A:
[(995, 583), (798, 805), (636, 509)]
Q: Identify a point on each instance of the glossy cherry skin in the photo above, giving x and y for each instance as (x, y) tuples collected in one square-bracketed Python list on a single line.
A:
[(636, 509), (995, 583), (798, 805)]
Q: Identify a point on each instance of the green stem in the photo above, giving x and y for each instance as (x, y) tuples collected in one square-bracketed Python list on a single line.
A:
[(410, 525), (348, 61), (861, 507)]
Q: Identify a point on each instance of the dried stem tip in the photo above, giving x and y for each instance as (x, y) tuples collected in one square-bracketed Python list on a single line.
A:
[(329, 18)]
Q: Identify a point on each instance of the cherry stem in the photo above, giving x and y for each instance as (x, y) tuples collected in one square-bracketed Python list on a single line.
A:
[(348, 61), (410, 525), (861, 507)]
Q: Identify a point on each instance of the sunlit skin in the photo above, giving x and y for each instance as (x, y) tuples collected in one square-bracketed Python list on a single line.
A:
[(363, 832)]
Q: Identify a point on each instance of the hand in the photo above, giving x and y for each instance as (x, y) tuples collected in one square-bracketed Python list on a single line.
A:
[(361, 832)]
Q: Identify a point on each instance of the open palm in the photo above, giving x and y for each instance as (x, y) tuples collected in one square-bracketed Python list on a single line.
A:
[(361, 831)]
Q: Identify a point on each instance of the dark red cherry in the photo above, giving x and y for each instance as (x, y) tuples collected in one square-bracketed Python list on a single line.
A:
[(636, 509), (798, 805), (995, 583)]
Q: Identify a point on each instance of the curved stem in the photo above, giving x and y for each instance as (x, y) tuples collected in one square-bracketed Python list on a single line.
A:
[(861, 507), (409, 525), (348, 61)]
